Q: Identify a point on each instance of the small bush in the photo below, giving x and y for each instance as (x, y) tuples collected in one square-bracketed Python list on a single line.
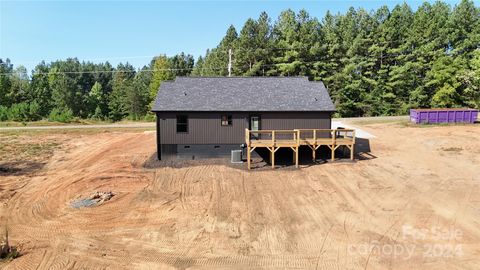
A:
[(149, 117), (61, 115), (7, 252), (34, 111), (3, 113), (19, 112), (97, 115)]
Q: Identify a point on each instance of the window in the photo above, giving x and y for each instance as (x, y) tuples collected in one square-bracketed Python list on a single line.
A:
[(182, 124), (226, 120)]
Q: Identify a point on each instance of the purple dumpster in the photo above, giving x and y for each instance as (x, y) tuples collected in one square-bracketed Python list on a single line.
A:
[(450, 115)]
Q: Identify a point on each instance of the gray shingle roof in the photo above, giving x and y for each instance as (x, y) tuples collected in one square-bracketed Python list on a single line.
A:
[(242, 94)]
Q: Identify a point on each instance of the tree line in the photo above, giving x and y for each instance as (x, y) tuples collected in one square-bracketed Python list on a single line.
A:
[(65, 89), (380, 62)]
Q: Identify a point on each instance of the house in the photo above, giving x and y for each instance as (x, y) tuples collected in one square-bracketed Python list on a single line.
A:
[(201, 117)]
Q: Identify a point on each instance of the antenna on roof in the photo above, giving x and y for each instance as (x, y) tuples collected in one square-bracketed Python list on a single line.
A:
[(229, 62)]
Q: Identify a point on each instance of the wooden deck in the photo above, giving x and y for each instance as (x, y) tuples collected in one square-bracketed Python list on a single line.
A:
[(313, 138)]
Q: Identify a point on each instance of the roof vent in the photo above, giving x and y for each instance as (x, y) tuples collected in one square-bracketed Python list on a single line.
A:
[(316, 99), (184, 93)]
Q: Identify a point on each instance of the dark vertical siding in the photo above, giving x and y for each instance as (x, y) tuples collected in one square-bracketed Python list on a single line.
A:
[(159, 145), (286, 121), (205, 128)]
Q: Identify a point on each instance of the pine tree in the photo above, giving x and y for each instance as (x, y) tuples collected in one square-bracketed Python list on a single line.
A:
[(96, 98), (161, 72), (40, 90), (119, 103), (181, 64), (139, 96), (253, 47), (443, 84), (471, 80), (6, 69), (19, 85)]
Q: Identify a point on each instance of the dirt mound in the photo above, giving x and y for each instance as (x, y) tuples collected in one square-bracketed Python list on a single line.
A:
[(96, 198)]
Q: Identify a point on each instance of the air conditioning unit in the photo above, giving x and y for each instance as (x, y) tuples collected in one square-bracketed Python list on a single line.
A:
[(236, 156)]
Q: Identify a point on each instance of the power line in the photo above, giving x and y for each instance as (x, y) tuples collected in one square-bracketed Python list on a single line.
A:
[(410, 52), (109, 71), (94, 59)]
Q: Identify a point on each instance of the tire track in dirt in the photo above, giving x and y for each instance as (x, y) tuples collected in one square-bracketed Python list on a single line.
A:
[(214, 216)]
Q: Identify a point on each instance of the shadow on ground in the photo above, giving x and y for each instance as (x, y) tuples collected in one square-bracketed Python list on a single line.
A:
[(20, 167), (284, 158), (362, 149)]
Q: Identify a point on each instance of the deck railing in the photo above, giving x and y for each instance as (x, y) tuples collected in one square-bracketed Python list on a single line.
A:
[(272, 137), (313, 138), (325, 136)]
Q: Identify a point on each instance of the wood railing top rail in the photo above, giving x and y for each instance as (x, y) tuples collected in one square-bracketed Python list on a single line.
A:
[(297, 134), (345, 130), (312, 129), (322, 129), (264, 131), (294, 131)]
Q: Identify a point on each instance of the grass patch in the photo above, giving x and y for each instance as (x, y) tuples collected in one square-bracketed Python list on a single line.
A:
[(7, 252), (10, 255), (374, 120), (28, 150), (77, 121), (17, 148), (414, 125), (73, 131), (24, 154)]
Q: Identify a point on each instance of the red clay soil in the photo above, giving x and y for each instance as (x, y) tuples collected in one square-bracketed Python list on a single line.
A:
[(412, 204)]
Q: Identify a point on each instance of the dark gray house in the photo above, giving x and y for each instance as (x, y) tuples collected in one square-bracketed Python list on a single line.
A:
[(207, 116)]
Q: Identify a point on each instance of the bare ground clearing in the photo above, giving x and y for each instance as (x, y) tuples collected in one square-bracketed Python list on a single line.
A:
[(327, 216)]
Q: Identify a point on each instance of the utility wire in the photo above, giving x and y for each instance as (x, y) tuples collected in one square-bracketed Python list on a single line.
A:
[(360, 57), (108, 71)]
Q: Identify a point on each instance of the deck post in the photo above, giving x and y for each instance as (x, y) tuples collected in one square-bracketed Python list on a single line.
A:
[(248, 157), (352, 150), (314, 149), (334, 135), (272, 157), (296, 150), (296, 157), (247, 141)]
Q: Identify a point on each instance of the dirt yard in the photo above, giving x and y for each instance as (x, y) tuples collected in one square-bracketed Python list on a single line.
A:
[(412, 203)]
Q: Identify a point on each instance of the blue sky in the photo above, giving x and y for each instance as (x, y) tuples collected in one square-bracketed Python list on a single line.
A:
[(135, 31)]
